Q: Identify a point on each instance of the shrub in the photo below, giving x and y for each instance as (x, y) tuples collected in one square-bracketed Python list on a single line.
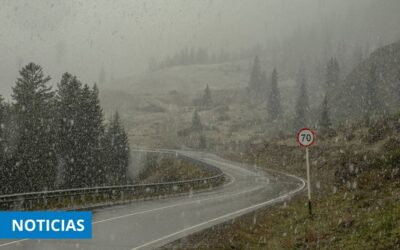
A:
[(392, 159), (377, 131), (351, 164), (391, 144)]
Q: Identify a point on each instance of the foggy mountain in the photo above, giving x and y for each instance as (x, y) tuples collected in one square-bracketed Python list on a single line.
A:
[(383, 66), (77, 36)]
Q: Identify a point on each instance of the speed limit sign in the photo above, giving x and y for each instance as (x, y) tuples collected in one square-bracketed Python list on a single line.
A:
[(305, 137)]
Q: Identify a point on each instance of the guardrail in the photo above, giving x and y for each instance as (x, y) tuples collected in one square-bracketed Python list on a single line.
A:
[(70, 198)]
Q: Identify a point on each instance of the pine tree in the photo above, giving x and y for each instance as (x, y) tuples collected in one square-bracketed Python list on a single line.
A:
[(92, 137), (2, 118), (325, 124), (2, 133), (264, 89), (117, 150), (98, 133), (196, 122), (372, 101), (302, 104), (397, 84), (70, 129), (207, 99), (274, 99), (332, 74), (3, 168), (34, 112), (255, 77), (9, 178), (87, 176), (202, 142), (83, 144)]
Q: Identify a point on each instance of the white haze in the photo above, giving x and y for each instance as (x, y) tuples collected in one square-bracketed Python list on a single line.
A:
[(83, 36)]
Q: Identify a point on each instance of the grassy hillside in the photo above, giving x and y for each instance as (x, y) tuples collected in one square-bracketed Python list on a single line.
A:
[(166, 168), (157, 106), (355, 182)]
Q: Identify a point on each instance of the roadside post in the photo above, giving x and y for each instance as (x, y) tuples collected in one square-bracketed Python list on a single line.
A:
[(306, 138)]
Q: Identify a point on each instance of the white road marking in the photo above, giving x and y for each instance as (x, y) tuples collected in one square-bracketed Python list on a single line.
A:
[(178, 204), (12, 242), (223, 217), (152, 210), (233, 179), (196, 201)]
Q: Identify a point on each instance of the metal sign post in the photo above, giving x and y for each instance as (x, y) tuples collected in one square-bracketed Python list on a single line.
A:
[(305, 138), (308, 182)]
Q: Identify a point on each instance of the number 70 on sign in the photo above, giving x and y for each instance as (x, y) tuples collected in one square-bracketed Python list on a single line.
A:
[(305, 137)]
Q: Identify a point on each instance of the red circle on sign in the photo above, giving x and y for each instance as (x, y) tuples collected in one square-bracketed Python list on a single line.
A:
[(303, 130)]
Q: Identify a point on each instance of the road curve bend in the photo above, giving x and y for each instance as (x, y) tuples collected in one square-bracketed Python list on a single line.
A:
[(154, 223)]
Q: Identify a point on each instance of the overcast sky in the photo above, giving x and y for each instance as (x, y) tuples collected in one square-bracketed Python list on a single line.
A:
[(121, 35)]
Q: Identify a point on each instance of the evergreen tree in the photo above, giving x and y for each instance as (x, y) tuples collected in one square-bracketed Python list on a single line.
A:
[(274, 99), (302, 104), (92, 137), (9, 178), (117, 150), (3, 145), (36, 147), (70, 129), (207, 99), (196, 122), (3, 168), (85, 149), (372, 101), (264, 90), (2, 133), (255, 77), (397, 84), (325, 124), (332, 74), (202, 142)]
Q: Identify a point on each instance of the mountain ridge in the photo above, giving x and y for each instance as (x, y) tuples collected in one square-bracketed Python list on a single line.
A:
[(347, 101)]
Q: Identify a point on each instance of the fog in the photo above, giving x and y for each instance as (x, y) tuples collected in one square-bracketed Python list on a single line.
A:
[(201, 119), (121, 36)]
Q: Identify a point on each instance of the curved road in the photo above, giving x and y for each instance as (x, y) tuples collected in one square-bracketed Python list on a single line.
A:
[(151, 224)]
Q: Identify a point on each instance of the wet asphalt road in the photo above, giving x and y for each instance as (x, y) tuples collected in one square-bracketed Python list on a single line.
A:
[(150, 224)]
